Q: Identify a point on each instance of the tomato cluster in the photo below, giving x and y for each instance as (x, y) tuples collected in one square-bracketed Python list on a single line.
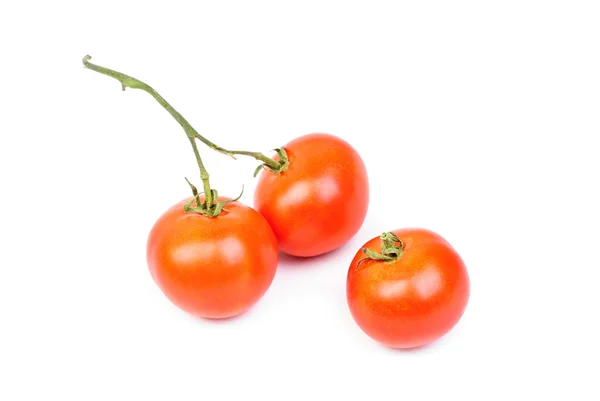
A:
[(216, 257)]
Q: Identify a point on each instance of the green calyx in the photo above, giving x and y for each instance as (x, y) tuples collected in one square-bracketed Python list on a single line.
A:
[(392, 249), (203, 207), (280, 166)]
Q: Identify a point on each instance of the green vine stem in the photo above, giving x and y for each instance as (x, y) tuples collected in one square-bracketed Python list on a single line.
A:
[(276, 166), (392, 249), (211, 206)]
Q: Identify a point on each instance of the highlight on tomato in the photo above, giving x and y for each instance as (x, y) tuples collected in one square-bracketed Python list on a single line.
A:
[(314, 192), (320, 200), (212, 267), (407, 288), (212, 257)]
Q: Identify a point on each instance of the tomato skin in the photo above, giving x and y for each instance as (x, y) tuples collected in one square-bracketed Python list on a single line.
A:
[(212, 267), (320, 201), (414, 300)]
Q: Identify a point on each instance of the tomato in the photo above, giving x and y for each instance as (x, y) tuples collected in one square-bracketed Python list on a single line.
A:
[(413, 300), (212, 267), (320, 201)]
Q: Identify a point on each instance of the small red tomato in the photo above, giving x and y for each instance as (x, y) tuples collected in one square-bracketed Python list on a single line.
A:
[(212, 267), (320, 201), (411, 293)]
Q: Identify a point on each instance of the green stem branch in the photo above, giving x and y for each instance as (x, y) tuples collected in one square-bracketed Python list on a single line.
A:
[(211, 206), (204, 176), (130, 82)]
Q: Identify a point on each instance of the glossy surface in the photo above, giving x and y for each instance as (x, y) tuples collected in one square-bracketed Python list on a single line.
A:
[(212, 267), (414, 300), (320, 201)]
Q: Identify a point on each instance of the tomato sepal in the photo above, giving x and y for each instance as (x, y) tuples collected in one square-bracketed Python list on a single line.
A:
[(392, 249), (202, 207), (282, 163)]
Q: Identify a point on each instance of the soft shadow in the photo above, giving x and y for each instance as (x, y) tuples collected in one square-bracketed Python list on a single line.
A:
[(298, 262), (218, 321), (431, 347)]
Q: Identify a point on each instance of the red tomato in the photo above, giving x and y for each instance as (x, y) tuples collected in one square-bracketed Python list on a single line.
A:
[(212, 267), (320, 201), (413, 300)]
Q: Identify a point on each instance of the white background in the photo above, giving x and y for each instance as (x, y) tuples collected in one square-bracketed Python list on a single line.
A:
[(478, 120)]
